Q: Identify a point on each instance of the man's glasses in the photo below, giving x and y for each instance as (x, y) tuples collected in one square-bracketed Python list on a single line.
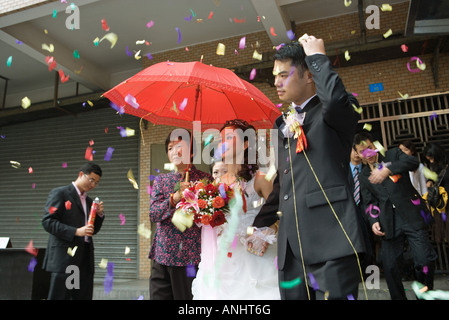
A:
[(91, 180)]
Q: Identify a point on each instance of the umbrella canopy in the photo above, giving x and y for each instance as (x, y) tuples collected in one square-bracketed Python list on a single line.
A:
[(178, 93)]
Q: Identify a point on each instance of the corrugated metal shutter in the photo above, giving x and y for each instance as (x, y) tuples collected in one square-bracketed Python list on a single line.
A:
[(46, 146)]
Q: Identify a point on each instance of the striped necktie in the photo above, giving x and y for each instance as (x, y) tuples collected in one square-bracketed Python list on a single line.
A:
[(355, 175)]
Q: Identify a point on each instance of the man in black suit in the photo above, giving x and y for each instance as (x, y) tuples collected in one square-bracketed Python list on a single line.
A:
[(70, 241), (395, 210), (318, 228)]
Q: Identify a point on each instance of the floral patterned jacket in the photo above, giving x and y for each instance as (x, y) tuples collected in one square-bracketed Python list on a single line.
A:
[(170, 246)]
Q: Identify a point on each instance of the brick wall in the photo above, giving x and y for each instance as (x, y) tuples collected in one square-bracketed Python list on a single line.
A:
[(392, 73)]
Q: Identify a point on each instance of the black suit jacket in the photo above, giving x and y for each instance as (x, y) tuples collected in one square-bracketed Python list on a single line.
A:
[(398, 194), (329, 127), (61, 223)]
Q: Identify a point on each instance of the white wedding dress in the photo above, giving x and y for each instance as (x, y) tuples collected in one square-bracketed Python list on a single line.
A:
[(234, 273)]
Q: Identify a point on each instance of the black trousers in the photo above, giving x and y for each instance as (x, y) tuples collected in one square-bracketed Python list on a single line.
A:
[(170, 283), (337, 279), (423, 253), (64, 287)]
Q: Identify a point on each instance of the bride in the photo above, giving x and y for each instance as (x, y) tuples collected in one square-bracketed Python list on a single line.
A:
[(239, 274)]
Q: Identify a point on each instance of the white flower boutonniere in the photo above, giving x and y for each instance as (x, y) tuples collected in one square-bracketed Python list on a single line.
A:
[(293, 127)]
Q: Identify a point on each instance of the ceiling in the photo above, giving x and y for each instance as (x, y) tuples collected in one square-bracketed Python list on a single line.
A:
[(100, 67)]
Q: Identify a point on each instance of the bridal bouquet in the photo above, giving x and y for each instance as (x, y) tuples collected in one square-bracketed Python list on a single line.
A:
[(203, 203)]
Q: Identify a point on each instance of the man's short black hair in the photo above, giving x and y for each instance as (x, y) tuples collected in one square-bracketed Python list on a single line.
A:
[(91, 167), (295, 52), (361, 136)]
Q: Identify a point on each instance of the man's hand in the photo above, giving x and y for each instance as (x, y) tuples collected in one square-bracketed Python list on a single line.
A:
[(312, 45), (378, 176), (87, 230), (376, 229)]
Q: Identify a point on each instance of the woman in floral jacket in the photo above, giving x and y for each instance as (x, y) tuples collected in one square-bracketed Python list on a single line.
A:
[(175, 254)]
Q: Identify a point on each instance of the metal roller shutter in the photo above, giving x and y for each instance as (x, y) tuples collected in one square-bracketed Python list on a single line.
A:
[(55, 150)]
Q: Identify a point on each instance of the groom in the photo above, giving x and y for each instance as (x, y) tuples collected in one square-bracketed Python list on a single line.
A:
[(318, 221)]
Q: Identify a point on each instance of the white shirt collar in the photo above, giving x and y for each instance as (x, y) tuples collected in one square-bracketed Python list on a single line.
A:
[(302, 105)]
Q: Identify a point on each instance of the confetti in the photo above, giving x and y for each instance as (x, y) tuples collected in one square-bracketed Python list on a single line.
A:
[(122, 219), (221, 48), (52, 210), (347, 56), (108, 155), (388, 33), (313, 282), (367, 127), (429, 174), (131, 100), (71, 252), (15, 164), (208, 139), (127, 132), (348, 3), (183, 104), (433, 116), (30, 249), (242, 43), (62, 76), (51, 62), (109, 278), (26, 102), (76, 54), (386, 7), (103, 263), (350, 297), (32, 264), (179, 35), (191, 271), (370, 211), (104, 25), (9, 61), (127, 250), (273, 33), (88, 154), (49, 48), (357, 109), (271, 172), (68, 205), (403, 96), (150, 24), (239, 20), (111, 37), (169, 166), (379, 147), (144, 231), (131, 179), (252, 75), (420, 65), (291, 34), (210, 15), (404, 48), (257, 55), (290, 284), (416, 202), (96, 41)]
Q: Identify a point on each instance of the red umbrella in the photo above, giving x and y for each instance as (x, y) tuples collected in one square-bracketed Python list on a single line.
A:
[(178, 93)]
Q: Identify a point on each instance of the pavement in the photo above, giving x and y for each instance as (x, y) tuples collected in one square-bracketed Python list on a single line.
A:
[(138, 289)]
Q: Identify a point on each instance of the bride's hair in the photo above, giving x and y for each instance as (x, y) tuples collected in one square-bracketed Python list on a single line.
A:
[(247, 170)]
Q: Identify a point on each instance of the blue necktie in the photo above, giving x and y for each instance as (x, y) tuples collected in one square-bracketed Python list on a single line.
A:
[(355, 175)]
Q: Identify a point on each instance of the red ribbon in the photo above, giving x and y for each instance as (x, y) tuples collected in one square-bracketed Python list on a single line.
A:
[(302, 141)]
